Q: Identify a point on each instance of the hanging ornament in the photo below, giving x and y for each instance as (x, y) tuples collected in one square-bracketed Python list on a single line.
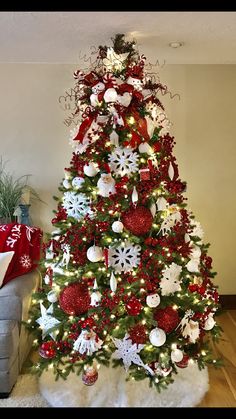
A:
[(66, 184), (90, 375), (49, 252), (66, 255), (75, 299), (171, 171), (88, 342), (123, 161), (133, 306), (167, 318), (114, 138), (184, 362), (94, 253), (209, 323), (77, 182), (125, 99), (162, 204), (153, 300), (113, 282), (157, 337), (77, 205), (110, 95), (145, 148), (138, 334), (47, 322), (96, 296), (98, 88), (138, 220), (153, 209), (106, 185), (117, 227), (170, 281), (48, 350), (91, 169), (186, 238), (52, 296), (134, 195), (124, 257), (176, 355), (144, 173)]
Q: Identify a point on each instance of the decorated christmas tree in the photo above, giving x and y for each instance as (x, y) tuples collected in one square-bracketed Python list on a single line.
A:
[(127, 280)]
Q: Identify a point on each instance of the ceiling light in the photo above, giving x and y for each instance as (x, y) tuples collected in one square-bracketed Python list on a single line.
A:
[(176, 44)]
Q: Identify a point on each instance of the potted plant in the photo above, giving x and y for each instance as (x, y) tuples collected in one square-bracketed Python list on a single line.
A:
[(13, 193)]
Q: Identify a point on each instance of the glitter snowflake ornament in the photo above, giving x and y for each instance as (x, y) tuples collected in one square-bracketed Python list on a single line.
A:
[(76, 205), (124, 257), (123, 161)]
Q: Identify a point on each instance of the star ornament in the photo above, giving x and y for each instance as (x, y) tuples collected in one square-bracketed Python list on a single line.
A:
[(47, 321), (114, 61), (128, 352)]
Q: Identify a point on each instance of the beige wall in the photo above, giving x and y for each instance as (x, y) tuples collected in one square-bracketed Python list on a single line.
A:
[(34, 140)]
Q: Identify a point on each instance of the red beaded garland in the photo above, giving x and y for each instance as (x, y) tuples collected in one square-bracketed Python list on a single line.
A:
[(75, 299), (167, 318), (138, 334), (138, 220), (133, 306)]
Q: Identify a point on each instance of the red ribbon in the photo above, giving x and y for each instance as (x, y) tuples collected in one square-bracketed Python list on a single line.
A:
[(106, 256)]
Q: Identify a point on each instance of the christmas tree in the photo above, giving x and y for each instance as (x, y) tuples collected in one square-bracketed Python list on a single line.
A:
[(127, 280)]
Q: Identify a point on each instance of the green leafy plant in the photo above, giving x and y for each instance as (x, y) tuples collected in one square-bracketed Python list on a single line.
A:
[(11, 190)]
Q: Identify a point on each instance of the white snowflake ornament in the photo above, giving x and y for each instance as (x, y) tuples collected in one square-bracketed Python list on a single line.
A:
[(170, 281), (123, 161), (47, 321), (76, 205), (124, 257), (128, 352), (157, 337)]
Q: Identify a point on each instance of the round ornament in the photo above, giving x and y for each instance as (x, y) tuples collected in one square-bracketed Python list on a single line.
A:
[(94, 253), (157, 337), (184, 362), (91, 169), (52, 296), (138, 220), (153, 300), (75, 299), (138, 334), (117, 227), (145, 148), (77, 182), (66, 183), (209, 323), (90, 376), (47, 350), (176, 355), (167, 318), (133, 306)]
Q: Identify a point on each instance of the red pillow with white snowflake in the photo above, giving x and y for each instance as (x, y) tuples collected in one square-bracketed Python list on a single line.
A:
[(25, 241)]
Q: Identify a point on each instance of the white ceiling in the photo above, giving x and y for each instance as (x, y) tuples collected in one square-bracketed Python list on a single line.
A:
[(60, 37)]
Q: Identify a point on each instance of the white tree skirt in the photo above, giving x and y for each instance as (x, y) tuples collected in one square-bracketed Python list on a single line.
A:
[(111, 390)]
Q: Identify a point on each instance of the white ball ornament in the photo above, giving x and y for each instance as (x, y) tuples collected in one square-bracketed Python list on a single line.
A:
[(91, 169), (77, 182), (176, 355), (94, 253), (110, 95), (117, 227), (52, 296), (209, 323), (157, 337), (153, 300), (145, 148), (66, 183)]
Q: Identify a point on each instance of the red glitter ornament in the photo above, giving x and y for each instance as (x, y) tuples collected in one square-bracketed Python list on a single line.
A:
[(137, 220), (75, 299), (90, 376), (47, 350), (138, 334), (167, 318), (133, 306), (184, 362)]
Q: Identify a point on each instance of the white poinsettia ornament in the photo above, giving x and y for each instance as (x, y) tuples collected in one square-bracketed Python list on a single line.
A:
[(170, 281), (113, 61), (106, 185), (190, 328)]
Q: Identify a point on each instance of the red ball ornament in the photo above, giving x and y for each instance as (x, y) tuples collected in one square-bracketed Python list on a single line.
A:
[(137, 220), (90, 376), (167, 318), (47, 350), (138, 334), (184, 362), (75, 299), (133, 306)]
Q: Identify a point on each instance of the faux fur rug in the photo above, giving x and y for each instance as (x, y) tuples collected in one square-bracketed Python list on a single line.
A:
[(111, 390), (25, 393)]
